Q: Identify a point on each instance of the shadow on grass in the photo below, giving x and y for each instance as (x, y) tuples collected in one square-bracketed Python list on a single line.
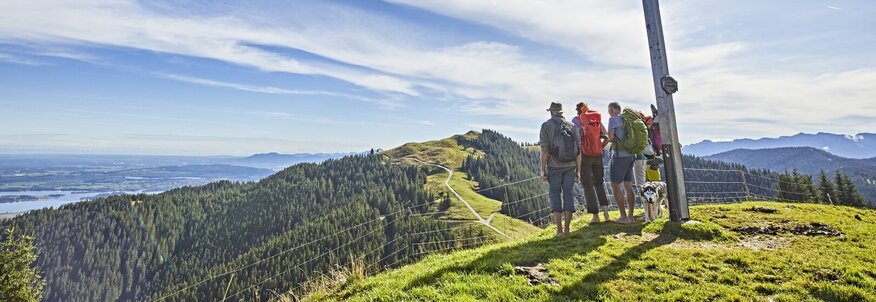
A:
[(588, 287), (580, 242)]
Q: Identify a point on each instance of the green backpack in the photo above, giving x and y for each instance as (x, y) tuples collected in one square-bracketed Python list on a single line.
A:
[(637, 133)]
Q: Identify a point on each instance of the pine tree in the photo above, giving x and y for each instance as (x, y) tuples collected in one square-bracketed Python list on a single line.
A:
[(826, 189), (841, 188), (445, 202), (806, 186), (785, 187), (847, 192), (19, 281)]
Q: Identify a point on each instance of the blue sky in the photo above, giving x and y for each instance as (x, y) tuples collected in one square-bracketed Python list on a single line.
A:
[(236, 78)]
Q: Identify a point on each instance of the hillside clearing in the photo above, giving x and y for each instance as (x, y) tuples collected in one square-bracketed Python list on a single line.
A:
[(450, 153)]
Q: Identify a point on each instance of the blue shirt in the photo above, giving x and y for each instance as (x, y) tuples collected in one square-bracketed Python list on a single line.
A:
[(616, 125)]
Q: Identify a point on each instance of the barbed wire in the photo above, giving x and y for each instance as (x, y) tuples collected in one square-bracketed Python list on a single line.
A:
[(508, 184)]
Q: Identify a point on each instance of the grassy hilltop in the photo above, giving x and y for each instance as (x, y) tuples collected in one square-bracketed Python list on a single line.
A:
[(450, 153), (753, 251)]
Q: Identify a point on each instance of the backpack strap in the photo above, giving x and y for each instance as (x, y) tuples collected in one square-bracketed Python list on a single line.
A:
[(554, 147)]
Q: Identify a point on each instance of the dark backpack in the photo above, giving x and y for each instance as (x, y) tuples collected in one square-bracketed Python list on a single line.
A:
[(565, 146)]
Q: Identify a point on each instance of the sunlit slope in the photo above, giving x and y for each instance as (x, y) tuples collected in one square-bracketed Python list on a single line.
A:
[(450, 153), (754, 251)]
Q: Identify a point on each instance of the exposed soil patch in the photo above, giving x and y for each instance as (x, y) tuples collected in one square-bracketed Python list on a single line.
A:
[(812, 229), (755, 230), (762, 242), (816, 229), (536, 274), (764, 210)]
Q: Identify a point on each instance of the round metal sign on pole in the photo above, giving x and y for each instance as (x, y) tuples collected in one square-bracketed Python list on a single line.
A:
[(669, 84)]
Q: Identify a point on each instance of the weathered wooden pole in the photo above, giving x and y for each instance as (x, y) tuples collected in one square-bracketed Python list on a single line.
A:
[(664, 87)]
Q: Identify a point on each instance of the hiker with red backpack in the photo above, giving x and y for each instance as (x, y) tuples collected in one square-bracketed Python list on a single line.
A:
[(628, 136), (560, 144), (593, 141)]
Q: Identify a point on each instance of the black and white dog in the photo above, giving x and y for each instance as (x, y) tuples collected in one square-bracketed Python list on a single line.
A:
[(655, 195)]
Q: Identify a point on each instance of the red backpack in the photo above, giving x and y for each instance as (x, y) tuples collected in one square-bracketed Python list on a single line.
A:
[(591, 142)]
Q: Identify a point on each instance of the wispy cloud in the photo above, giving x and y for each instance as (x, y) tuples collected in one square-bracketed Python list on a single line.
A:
[(220, 38), (9, 58), (385, 102), (720, 77), (833, 7)]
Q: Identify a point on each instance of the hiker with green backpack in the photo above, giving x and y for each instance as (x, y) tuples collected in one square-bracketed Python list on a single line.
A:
[(560, 143), (629, 136)]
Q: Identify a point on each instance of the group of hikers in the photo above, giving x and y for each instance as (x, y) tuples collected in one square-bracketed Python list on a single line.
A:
[(575, 151)]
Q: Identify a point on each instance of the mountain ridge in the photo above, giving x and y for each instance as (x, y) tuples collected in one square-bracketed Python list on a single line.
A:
[(858, 146), (807, 160)]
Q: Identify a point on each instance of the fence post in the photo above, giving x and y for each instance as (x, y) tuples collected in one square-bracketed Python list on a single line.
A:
[(225, 295), (745, 184)]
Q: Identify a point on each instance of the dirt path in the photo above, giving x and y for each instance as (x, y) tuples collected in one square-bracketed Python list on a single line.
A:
[(481, 219)]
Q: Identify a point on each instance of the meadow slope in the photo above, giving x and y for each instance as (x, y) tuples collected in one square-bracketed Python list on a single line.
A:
[(752, 251)]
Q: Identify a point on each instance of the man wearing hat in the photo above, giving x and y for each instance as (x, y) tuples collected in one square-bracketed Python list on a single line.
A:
[(560, 161)]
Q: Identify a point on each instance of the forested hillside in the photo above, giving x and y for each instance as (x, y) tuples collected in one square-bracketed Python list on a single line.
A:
[(263, 237), (505, 161), (716, 181), (808, 161)]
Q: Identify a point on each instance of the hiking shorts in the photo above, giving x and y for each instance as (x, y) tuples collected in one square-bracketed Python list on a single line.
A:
[(622, 168), (561, 193)]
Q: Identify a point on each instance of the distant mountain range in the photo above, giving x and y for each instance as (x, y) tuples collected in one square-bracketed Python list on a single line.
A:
[(276, 161), (117, 173), (273, 161), (809, 161), (850, 146)]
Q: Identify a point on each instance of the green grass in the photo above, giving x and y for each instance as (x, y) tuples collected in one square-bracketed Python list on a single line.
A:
[(449, 153), (513, 227), (446, 152), (662, 261), (481, 204)]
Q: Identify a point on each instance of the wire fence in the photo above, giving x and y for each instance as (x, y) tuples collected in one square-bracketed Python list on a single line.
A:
[(704, 186)]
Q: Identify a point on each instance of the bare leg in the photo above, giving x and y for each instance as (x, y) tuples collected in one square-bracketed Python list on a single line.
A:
[(631, 200), (568, 222), (558, 220), (619, 199), (649, 215), (595, 218), (605, 212)]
